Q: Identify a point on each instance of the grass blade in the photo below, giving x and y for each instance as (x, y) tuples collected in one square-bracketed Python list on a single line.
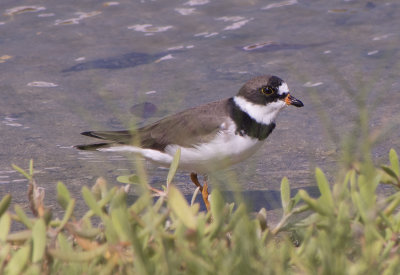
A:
[(174, 166)]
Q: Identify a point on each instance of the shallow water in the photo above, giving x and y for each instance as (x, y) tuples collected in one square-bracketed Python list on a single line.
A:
[(68, 67)]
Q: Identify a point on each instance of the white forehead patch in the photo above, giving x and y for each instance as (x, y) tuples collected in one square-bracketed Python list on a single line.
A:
[(283, 89)]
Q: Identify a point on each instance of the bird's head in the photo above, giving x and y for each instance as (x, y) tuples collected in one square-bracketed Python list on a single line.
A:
[(264, 96)]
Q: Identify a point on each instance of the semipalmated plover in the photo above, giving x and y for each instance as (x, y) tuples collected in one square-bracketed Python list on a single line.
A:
[(212, 136)]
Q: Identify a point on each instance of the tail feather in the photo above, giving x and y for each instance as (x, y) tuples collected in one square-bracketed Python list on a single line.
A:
[(93, 147), (89, 134), (114, 138), (123, 137)]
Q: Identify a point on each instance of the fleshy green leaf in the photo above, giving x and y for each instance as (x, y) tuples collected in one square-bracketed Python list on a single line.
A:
[(390, 172), (63, 243), (285, 195), (174, 166), (394, 161), (296, 199), (358, 202), (31, 167), (68, 213), (4, 203), (75, 256), (17, 263), (87, 233), (91, 201), (19, 236), (33, 269), (63, 195), (99, 189), (392, 205), (39, 240), (367, 187), (312, 203), (119, 218), (21, 171), (5, 224), (4, 252), (180, 207), (110, 232), (128, 179), (217, 212), (324, 188), (22, 216), (262, 218)]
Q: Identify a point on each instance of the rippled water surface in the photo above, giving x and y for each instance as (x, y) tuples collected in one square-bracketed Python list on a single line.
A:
[(72, 66)]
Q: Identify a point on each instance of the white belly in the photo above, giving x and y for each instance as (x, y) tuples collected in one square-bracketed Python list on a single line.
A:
[(224, 150)]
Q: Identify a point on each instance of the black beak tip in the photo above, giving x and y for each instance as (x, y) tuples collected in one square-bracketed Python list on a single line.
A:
[(298, 103), (291, 100)]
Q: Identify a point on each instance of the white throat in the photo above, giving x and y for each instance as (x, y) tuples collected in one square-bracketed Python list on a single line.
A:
[(264, 114)]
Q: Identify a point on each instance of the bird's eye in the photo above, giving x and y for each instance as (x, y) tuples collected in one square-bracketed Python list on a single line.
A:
[(267, 90)]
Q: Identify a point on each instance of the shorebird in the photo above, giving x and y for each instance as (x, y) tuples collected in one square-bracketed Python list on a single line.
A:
[(212, 136)]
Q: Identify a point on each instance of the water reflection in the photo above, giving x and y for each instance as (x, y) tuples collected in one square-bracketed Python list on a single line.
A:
[(128, 60), (23, 9), (76, 20), (276, 46)]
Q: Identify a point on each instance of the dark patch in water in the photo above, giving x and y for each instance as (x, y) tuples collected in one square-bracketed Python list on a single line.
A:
[(370, 5), (115, 123), (128, 60), (271, 46), (143, 110)]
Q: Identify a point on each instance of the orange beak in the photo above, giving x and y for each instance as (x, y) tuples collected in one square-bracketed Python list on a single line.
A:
[(291, 100)]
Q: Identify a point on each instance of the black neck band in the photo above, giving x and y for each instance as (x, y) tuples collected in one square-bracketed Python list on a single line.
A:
[(246, 125)]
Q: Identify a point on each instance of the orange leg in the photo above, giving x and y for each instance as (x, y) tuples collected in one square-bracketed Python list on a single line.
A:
[(204, 194), (203, 189)]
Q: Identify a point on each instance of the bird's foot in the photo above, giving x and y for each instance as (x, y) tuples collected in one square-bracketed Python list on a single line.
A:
[(203, 189)]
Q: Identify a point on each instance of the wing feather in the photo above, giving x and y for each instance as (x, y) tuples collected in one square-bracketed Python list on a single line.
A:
[(187, 128)]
